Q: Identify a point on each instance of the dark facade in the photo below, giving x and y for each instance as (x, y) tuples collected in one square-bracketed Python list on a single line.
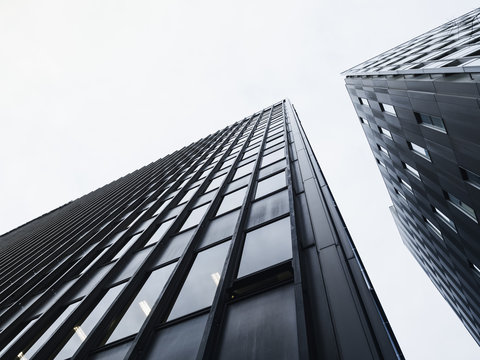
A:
[(230, 248), (419, 105)]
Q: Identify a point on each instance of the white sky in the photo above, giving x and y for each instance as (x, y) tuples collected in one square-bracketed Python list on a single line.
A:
[(92, 90)]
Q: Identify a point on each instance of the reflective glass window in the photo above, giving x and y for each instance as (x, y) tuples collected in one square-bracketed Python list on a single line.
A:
[(93, 280), (215, 183), (23, 331), (132, 265), (268, 208), (272, 157), (273, 168), (82, 329), (201, 283), (266, 246), (271, 184), (220, 228), (162, 229), (237, 184), (232, 201), (127, 246), (160, 209), (244, 170), (175, 247), (195, 216), (145, 224), (188, 195), (132, 320)]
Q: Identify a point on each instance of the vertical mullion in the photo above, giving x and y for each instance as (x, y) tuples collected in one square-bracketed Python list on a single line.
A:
[(214, 321)]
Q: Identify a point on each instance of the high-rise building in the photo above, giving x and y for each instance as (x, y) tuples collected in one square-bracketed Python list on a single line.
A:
[(230, 248), (419, 105)]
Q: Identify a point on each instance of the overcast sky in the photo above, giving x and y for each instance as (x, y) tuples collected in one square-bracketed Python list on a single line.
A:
[(92, 90)]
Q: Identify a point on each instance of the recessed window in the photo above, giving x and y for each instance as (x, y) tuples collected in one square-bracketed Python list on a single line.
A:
[(363, 101), (411, 170), (244, 170), (383, 150), (380, 162), (385, 132), (432, 227), (400, 194), (162, 229), (363, 121), (460, 205), (270, 184), (195, 216), (430, 121), (444, 218), (232, 201), (273, 157), (417, 149), (404, 183), (389, 109), (470, 177)]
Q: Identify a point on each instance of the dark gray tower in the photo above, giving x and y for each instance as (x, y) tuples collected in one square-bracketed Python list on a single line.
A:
[(230, 248), (419, 104)]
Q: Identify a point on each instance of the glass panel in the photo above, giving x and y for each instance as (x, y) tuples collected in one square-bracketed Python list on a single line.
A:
[(132, 265), (205, 198), (201, 283), (145, 224), (232, 201), (112, 353), (266, 246), (27, 353), (272, 157), (195, 216), (116, 237), (215, 183), (268, 208), (244, 170), (272, 168), (175, 247), (220, 228), (93, 281), (83, 329), (127, 246), (23, 331), (178, 342), (160, 232), (270, 184), (132, 320), (261, 327)]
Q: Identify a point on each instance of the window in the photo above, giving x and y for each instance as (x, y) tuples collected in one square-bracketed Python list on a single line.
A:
[(383, 150), (174, 247), (389, 109), (404, 183), (400, 194), (270, 184), (266, 246), (363, 121), (201, 283), (133, 263), (127, 246), (430, 121), (195, 217), (475, 268), (380, 162), (363, 101), (215, 183), (220, 228), (417, 149), (385, 132), (268, 208), (444, 218), (138, 310), (244, 170), (460, 205), (232, 201), (83, 328), (411, 170), (470, 177), (273, 156), (432, 227), (162, 229)]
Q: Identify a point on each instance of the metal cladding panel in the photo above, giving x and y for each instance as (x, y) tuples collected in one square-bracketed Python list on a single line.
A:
[(231, 247)]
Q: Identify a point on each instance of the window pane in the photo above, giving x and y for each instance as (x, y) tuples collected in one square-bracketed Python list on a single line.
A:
[(29, 352), (178, 342), (268, 316), (232, 201), (266, 246), (132, 265), (195, 216), (270, 184), (272, 157), (215, 183), (81, 331), (175, 247), (141, 306), (145, 224), (220, 228), (268, 208), (127, 246), (160, 232), (112, 353), (244, 170), (93, 281), (201, 283), (272, 168)]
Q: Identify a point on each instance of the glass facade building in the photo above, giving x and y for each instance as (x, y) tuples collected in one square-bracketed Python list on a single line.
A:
[(229, 248), (419, 106)]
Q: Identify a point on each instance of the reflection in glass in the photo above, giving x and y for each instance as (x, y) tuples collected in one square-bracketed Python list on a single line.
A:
[(175, 246), (220, 228), (195, 216), (127, 246), (232, 201), (270, 184), (201, 283), (160, 232), (272, 157), (81, 330), (266, 246), (268, 208), (139, 309), (244, 170)]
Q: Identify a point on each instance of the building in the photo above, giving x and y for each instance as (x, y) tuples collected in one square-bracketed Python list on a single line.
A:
[(230, 248), (419, 105)]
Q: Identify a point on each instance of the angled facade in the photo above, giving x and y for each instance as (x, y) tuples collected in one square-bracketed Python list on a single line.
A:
[(230, 248), (419, 106)]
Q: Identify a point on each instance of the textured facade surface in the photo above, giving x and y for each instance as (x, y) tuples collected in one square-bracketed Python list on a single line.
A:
[(419, 105), (230, 248)]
